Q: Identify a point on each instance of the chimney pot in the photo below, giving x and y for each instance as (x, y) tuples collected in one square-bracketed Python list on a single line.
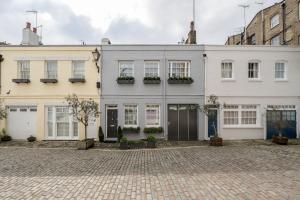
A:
[(28, 25), (34, 30)]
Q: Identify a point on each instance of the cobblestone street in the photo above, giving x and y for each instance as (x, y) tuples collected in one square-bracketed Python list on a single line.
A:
[(230, 172)]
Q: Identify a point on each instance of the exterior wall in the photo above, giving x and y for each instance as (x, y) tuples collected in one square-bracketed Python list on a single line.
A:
[(141, 94), (266, 91), (40, 94)]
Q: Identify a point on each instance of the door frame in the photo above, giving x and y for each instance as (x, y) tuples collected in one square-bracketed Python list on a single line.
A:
[(110, 107)]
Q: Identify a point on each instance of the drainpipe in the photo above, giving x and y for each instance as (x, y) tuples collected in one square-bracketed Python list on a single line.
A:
[(1, 60), (164, 96), (283, 6)]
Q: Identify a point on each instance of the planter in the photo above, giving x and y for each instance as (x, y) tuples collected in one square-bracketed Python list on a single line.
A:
[(151, 144), (124, 81), (21, 81), (280, 140), (154, 81), (216, 141), (77, 80), (153, 130), (123, 145), (136, 144), (131, 130), (48, 80), (85, 144), (180, 81)]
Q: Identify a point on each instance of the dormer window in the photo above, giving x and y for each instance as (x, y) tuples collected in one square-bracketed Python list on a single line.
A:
[(275, 20)]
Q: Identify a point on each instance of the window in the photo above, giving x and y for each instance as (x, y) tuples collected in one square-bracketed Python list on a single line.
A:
[(51, 69), (227, 70), (152, 115), (151, 69), (275, 40), (126, 69), (179, 69), (274, 21), (23, 69), (253, 70), (131, 116), (60, 124), (241, 115), (252, 40), (280, 71), (78, 69)]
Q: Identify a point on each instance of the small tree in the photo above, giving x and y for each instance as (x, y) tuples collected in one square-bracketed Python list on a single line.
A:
[(212, 103), (3, 113), (83, 110)]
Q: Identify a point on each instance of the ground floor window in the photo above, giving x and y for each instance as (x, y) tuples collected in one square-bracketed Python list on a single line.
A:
[(152, 115), (240, 115), (60, 124), (131, 116)]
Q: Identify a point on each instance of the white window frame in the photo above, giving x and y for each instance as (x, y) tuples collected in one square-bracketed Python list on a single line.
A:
[(258, 67), (240, 109), (187, 67), (158, 109), (285, 78), (137, 115), (151, 61), (274, 21), (275, 39), (71, 120), (74, 68), (126, 62), (232, 70), (47, 69), (21, 73)]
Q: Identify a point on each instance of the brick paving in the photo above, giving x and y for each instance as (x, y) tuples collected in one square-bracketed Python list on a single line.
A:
[(230, 172)]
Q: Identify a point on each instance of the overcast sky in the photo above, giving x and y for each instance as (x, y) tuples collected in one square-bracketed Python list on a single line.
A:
[(125, 21)]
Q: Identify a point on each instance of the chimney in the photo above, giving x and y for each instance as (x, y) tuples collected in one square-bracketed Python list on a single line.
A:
[(192, 37), (30, 37), (105, 41)]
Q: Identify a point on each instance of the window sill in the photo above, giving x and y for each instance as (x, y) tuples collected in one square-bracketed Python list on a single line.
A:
[(48, 80), (21, 81), (228, 80), (242, 127), (255, 80), (77, 80), (281, 80)]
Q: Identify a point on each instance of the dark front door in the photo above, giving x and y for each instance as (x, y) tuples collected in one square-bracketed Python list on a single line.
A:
[(182, 122), (212, 122), (112, 122), (288, 119)]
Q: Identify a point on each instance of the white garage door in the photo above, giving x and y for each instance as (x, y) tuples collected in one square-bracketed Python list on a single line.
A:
[(21, 121)]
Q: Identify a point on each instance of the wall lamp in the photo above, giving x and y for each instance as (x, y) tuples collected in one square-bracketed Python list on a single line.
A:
[(96, 56)]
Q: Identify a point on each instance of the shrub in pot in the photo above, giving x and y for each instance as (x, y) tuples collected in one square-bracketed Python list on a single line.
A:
[(5, 137), (215, 141), (124, 143), (101, 134), (31, 139), (280, 139), (119, 133), (151, 141)]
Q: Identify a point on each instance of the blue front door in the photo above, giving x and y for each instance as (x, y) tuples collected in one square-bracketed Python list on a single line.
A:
[(212, 122), (288, 117)]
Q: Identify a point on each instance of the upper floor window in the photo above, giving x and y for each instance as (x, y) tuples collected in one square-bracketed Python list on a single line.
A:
[(131, 115), (252, 40), (152, 115), (151, 68), (274, 20), (280, 71), (51, 69), (227, 70), (78, 70), (253, 70), (275, 40), (126, 69), (24, 69), (179, 69)]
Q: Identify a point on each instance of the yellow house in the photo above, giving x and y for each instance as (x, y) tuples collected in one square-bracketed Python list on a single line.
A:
[(34, 83)]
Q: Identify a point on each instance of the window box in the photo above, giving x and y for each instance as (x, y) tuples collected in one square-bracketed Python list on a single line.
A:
[(48, 80), (131, 130), (153, 130), (185, 80), (125, 80), (152, 80), (21, 80), (77, 80)]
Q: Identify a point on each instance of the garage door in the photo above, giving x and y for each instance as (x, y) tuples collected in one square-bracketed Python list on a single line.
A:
[(182, 122), (21, 122), (288, 117)]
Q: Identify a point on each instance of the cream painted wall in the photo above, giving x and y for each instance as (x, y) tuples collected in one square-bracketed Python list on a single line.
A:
[(40, 94)]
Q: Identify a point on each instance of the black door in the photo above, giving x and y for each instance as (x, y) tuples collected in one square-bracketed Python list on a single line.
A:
[(112, 122), (212, 122), (182, 122)]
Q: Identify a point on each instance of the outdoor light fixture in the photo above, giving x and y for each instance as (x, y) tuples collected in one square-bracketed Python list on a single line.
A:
[(96, 56)]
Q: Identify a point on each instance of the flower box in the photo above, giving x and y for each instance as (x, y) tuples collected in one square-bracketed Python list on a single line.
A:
[(216, 141), (153, 130), (187, 80), (131, 130), (152, 80), (125, 80)]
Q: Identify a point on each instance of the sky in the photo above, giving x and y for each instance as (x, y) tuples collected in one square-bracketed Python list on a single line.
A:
[(126, 21)]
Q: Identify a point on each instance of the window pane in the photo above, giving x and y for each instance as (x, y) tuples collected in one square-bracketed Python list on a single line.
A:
[(152, 115), (62, 121), (231, 117), (274, 21), (23, 70), (51, 69), (131, 115), (253, 70), (78, 69), (179, 69), (226, 70), (151, 69), (280, 71), (126, 69)]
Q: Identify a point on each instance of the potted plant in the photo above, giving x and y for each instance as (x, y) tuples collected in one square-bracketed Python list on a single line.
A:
[(119, 133), (151, 141), (124, 143), (5, 137), (180, 80), (125, 80), (101, 134), (84, 111), (31, 139), (280, 139), (153, 130), (152, 80)]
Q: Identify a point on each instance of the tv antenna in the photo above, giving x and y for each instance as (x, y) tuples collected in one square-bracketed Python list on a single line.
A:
[(245, 6), (36, 16)]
